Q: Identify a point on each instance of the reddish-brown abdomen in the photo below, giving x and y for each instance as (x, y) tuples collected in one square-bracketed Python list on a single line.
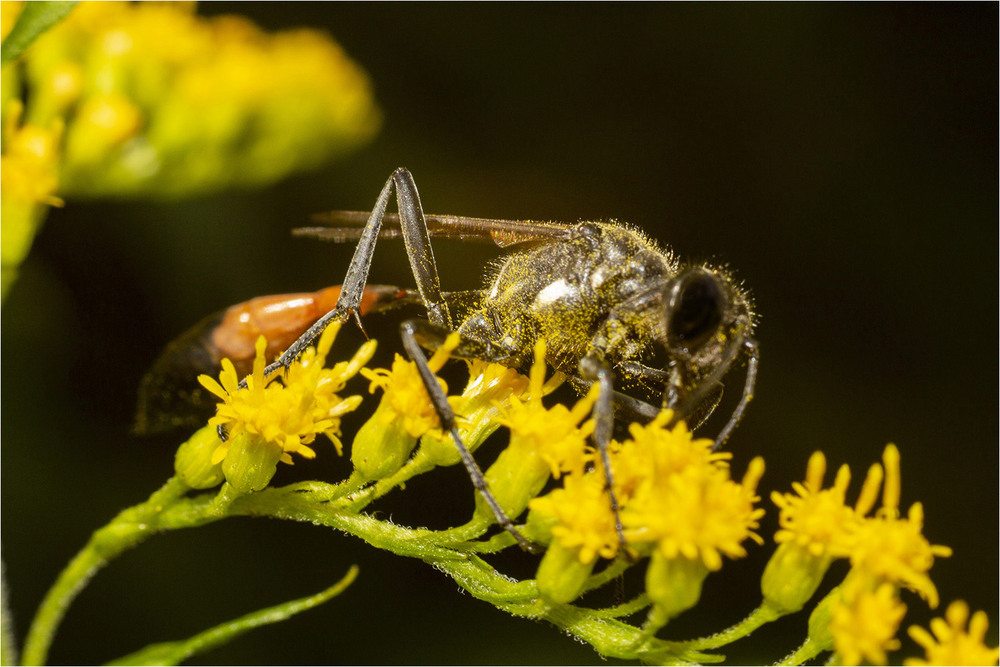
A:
[(281, 319)]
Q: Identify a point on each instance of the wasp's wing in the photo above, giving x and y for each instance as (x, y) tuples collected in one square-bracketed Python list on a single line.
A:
[(343, 226)]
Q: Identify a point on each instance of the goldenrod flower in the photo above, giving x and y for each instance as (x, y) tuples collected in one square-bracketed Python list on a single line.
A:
[(585, 522), (486, 396), (30, 159), (554, 435), (655, 452), (29, 179), (816, 519), (951, 644), (273, 418), (404, 394), (385, 441), (543, 442), (890, 548), (686, 504), (816, 527), (864, 624)]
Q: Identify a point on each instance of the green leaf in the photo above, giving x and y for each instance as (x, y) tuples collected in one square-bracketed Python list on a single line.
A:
[(35, 18), (172, 653)]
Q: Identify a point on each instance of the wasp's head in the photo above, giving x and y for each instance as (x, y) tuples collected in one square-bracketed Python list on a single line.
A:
[(704, 312), (707, 319)]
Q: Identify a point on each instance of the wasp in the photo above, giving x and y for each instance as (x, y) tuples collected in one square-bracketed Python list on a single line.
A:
[(613, 307)]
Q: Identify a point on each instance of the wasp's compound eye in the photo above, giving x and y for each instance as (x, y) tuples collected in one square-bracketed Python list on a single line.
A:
[(696, 302)]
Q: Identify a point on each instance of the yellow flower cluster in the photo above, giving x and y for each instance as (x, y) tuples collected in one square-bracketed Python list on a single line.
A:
[(886, 551), (677, 503), (159, 101), (951, 643), (273, 417)]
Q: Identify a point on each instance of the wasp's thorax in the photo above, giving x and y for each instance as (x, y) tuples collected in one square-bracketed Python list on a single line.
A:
[(608, 288)]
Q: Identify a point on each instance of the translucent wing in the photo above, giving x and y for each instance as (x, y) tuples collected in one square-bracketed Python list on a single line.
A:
[(341, 226)]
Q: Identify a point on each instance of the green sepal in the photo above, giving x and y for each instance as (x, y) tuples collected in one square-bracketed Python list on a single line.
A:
[(172, 653), (517, 476), (251, 462), (792, 576), (382, 445), (193, 460), (819, 621), (35, 18), (561, 576), (674, 584)]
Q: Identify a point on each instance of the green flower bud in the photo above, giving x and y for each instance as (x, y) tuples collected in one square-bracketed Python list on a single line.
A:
[(819, 620), (517, 476), (561, 576), (382, 444), (538, 527), (792, 577), (439, 447), (193, 461), (251, 462), (674, 584)]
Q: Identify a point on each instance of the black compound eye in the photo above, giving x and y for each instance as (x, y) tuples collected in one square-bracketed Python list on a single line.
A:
[(695, 308)]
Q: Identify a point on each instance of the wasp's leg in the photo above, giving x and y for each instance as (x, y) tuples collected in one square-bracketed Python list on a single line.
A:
[(672, 381), (408, 330), (753, 354), (431, 336), (704, 388), (418, 250), (594, 368)]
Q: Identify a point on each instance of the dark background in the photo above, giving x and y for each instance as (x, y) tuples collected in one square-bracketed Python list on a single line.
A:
[(841, 158)]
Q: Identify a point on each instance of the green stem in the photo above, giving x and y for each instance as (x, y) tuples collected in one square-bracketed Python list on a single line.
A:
[(418, 465), (627, 609), (610, 637), (809, 650), (765, 613), (131, 527)]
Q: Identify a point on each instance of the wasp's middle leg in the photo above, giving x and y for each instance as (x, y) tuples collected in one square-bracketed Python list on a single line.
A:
[(593, 367), (409, 331)]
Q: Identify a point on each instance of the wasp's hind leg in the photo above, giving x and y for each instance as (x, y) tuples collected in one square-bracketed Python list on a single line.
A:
[(418, 250), (411, 331)]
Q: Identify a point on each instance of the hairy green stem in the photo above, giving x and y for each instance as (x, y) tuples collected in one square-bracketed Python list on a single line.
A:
[(131, 527)]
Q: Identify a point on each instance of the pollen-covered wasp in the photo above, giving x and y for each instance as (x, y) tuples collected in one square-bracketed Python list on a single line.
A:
[(613, 308)]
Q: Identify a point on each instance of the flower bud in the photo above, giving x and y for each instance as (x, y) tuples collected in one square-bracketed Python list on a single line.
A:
[(382, 445), (792, 577), (517, 476), (561, 575), (674, 584), (251, 462), (538, 527), (193, 461), (819, 620)]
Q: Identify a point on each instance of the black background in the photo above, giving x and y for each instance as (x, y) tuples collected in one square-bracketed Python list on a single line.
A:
[(842, 159)]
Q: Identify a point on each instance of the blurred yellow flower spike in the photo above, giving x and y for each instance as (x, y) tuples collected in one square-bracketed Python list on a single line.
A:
[(160, 102)]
